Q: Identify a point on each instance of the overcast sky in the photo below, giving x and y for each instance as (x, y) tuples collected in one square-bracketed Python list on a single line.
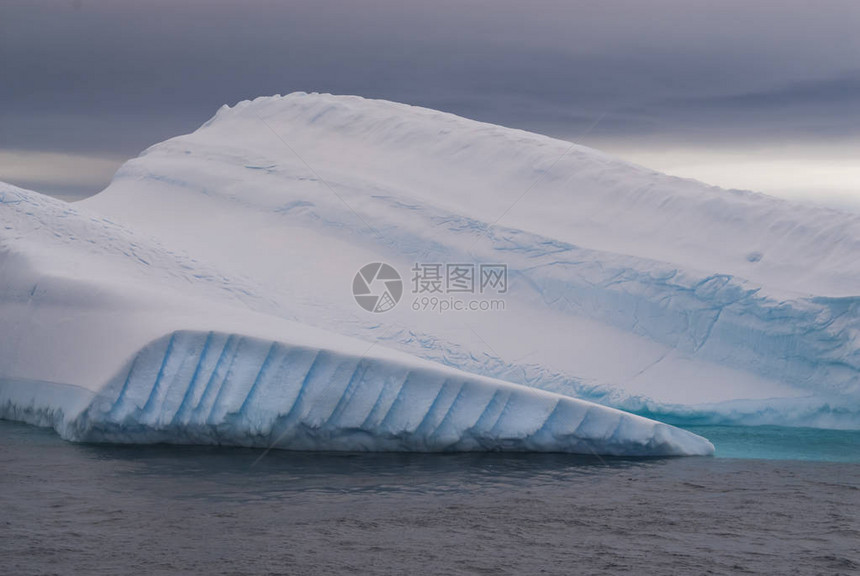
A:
[(752, 94)]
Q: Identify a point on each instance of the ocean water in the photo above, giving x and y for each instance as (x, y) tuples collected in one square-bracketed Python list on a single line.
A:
[(773, 501)]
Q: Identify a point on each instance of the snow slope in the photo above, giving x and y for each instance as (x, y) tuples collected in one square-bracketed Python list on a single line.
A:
[(654, 294), (109, 336)]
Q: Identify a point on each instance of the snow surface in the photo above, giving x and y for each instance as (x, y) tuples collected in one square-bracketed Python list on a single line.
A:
[(109, 337), (649, 293)]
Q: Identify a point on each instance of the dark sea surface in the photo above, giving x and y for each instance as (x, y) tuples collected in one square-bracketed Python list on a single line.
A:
[(773, 501)]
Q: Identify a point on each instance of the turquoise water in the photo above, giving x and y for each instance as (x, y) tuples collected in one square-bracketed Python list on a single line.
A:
[(779, 443)]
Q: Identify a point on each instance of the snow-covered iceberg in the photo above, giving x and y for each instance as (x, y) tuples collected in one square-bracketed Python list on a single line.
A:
[(655, 295)]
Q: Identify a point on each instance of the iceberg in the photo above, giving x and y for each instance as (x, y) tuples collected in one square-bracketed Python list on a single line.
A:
[(209, 294)]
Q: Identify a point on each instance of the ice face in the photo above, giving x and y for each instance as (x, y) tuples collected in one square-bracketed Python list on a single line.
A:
[(216, 388)]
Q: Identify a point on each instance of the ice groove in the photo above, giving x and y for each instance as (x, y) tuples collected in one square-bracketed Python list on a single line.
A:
[(160, 377), (208, 391), (260, 375), (188, 397)]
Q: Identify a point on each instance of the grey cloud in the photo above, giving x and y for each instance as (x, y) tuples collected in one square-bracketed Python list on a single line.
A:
[(117, 76), (839, 91), (821, 109)]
